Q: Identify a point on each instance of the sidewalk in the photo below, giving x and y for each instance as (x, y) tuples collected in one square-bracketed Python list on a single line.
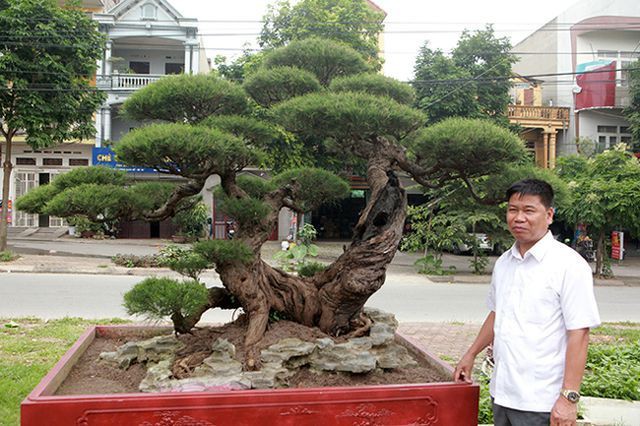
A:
[(73, 255)]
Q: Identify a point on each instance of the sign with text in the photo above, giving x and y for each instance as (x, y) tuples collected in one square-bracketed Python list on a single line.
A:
[(104, 156), (617, 245)]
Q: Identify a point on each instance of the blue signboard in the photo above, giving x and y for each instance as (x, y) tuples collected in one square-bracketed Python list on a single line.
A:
[(104, 156)]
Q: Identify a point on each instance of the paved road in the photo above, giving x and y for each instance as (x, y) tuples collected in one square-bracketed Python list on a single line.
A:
[(409, 297)]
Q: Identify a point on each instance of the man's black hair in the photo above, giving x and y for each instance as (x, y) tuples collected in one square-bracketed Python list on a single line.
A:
[(532, 187)]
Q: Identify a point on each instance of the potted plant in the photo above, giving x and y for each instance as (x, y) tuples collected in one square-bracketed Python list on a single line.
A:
[(346, 108)]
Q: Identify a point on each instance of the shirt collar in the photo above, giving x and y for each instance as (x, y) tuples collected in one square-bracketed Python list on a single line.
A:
[(538, 250)]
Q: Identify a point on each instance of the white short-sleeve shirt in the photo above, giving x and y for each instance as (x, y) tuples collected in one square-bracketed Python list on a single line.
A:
[(536, 299)]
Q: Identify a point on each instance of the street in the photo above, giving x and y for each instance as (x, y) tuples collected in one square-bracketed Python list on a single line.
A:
[(410, 297)]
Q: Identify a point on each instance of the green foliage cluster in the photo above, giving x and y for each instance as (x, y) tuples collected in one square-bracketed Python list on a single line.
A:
[(353, 22), (310, 268), (605, 194), (178, 94), (8, 256), (375, 84), (632, 112), (191, 264), (95, 198), (456, 85), (66, 61), (307, 190), (270, 86), (224, 251), (467, 147), (247, 211), (185, 150), (162, 297), (136, 261), (432, 264), (191, 221), (613, 371), (295, 258), (326, 60), (347, 117)]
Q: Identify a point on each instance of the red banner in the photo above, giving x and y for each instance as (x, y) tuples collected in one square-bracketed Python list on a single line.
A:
[(597, 82)]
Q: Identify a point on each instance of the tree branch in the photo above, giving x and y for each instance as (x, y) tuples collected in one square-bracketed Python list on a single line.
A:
[(169, 208)]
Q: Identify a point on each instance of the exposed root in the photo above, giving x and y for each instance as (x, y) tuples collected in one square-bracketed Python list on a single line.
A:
[(363, 324)]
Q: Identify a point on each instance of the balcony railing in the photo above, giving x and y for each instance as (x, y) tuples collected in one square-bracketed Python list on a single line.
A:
[(538, 112), (127, 81)]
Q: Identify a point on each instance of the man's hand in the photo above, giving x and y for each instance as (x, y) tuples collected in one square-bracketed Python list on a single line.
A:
[(564, 413), (462, 373)]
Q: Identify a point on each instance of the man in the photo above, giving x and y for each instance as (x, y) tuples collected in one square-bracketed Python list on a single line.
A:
[(541, 306)]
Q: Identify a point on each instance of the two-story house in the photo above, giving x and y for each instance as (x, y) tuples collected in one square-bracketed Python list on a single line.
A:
[(577, 61)]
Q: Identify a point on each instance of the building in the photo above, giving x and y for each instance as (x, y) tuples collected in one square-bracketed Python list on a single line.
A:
[(573, 80)]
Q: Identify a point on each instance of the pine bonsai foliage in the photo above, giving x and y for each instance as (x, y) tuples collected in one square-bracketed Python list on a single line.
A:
[(205, 126)]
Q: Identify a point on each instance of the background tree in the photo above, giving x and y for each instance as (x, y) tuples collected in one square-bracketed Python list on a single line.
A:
[(352, 22), (365, 123), (632, 112), (48, 57), (472, 82), (605, 195)]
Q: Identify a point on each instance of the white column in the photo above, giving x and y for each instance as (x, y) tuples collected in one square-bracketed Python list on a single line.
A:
[(107, 58), (187, 57), (99, 121), (107, 123), (195, 59)]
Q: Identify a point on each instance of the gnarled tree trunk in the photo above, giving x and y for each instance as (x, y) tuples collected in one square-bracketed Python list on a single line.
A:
[(333, 299)]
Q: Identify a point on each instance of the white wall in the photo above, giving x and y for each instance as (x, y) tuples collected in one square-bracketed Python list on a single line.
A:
[(156, 58)]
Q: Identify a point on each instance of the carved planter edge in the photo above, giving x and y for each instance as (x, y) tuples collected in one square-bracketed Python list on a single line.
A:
[(442, 404)]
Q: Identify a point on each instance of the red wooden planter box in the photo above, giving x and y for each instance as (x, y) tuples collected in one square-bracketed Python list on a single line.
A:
[(439, 404)]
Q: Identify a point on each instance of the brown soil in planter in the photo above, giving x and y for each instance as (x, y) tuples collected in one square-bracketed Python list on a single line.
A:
[(92, 376)]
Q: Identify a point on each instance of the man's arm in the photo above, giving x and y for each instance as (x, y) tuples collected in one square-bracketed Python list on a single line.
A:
[(565, 412), (462, 373)]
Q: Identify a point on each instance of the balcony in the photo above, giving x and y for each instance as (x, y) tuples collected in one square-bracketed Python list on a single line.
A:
[(126, 82), (538, 112), (549, 119)]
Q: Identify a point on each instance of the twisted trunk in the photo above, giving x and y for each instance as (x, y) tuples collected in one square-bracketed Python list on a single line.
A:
[(332, 299)]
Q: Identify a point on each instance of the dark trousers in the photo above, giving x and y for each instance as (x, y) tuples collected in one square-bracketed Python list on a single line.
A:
[(503, 416)]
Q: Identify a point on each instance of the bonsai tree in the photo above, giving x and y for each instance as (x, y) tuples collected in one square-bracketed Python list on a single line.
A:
[(203, 126), (99, 198)]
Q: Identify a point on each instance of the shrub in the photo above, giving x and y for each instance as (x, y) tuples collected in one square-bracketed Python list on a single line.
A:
[(133, 261), (224, 251), (613, 371), (309, 269), (171, 252), (161, 297), (8, 256), (189, 264), (432, 265)]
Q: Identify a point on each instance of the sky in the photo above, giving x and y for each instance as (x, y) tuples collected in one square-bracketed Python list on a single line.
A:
[(226, 26)]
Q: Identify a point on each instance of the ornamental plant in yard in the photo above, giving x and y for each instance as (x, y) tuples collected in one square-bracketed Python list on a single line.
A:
[(202, 125)]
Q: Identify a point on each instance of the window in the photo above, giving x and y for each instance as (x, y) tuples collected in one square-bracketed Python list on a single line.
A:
[(607, 129), (171, 68), (22, 161), (623, 60), (139, 67), (608, 136), (52, 161), (78, 162), (149, 11)]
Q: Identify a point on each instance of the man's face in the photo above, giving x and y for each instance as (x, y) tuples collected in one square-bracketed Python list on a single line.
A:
[(528, 219)]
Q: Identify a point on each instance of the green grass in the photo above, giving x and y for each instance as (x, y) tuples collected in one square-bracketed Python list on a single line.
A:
[(8, 256), (28, 351)]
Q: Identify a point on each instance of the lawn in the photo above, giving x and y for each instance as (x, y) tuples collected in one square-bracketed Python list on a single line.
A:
[(29, 348)]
